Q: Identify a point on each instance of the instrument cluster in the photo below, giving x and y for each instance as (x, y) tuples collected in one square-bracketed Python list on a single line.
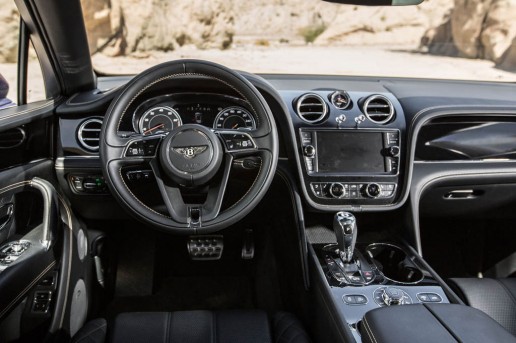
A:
[(164, 113)]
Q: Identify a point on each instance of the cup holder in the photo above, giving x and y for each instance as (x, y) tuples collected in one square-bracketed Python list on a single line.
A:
[(394, 263)]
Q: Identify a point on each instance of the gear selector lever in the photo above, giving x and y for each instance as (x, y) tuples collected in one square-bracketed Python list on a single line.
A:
[(345, 228), (344, 263)]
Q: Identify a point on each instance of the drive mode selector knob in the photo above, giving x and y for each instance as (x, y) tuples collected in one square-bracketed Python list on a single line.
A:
[(337, 190), (393, 296), (309, 151), (372, 190)]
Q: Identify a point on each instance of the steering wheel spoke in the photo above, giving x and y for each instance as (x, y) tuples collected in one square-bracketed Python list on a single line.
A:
[(193, 215)]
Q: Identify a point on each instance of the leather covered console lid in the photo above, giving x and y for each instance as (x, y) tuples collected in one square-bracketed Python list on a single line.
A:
[(431, 323)]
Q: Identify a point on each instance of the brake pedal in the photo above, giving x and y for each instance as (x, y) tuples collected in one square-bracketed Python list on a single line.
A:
[(205, 247)]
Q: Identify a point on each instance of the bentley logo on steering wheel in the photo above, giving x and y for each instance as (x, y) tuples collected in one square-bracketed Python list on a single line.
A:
[(191, 151)]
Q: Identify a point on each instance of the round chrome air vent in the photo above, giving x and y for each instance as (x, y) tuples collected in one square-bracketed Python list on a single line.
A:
[(89, 134), (378, 109), (311, 108)]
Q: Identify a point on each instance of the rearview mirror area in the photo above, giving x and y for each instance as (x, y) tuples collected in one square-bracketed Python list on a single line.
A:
[(377, 2)]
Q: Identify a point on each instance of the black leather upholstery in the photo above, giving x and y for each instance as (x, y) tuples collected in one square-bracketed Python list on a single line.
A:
[(92, 332), (429, 323), (495, 297), (251, 326), (288, 329)]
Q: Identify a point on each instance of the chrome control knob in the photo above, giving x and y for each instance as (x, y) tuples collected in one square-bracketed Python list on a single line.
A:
[(309, 151), (393, 296), (337, 190), (394, 151), (372, 190)]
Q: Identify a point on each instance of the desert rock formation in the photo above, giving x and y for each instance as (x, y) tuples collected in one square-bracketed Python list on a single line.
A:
[(483, 29)]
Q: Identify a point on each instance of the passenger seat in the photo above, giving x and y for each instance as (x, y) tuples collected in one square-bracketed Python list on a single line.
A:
[(495, 297)]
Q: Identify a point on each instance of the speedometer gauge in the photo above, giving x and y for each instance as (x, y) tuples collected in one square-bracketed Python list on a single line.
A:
[(234, 118), (159, 120)]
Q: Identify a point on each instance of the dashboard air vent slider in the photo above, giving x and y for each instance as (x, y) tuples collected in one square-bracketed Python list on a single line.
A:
[(378, 109), (311, 108), (89, 134)]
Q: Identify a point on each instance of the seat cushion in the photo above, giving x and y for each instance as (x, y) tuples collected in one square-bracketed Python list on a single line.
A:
[(249, 326), (241, 326), (288, 329), (495, 297)]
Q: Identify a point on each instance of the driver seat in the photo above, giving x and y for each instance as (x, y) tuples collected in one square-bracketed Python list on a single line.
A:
[(239, 326)]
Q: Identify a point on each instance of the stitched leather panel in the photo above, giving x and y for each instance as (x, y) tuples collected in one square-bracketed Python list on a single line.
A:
[(288, 329), (92, 332), (192, 327)]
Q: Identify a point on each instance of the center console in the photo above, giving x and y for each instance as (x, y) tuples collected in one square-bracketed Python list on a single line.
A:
[(363, 276), (355, 166), (351, 149)]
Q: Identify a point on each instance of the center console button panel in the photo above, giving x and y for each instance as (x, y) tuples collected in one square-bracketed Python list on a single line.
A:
[(351, 167), (389, 296), (339, 190)]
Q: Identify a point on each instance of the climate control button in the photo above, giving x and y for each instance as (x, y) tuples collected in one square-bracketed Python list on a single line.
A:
[(337, 190), (372, 190)]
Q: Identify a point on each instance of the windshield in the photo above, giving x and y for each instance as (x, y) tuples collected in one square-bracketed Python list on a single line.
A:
[(443, 39)]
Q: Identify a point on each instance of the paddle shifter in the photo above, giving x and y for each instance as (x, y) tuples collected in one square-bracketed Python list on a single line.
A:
[(345, 228), (344, 263)]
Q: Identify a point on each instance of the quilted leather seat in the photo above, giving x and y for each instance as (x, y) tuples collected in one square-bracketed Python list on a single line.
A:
[(241, 326)]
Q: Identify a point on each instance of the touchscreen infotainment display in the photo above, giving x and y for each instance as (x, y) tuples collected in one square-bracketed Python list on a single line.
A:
[(350, 152)]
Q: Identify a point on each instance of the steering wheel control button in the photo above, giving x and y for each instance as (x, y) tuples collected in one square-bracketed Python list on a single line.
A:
[(143, 148), (238, 141), (207, 248), (191, 154), (389, 296), (429, 298), (139, 175)]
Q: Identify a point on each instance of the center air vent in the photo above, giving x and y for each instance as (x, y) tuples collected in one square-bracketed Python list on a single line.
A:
[(378, 109), (311, 108), (89, 134)]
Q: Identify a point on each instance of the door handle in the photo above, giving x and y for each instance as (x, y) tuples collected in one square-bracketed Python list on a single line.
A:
[(463, 194), (6, 213)]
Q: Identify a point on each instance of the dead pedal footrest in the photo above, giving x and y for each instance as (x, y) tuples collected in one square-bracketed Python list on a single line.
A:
[(206, 247)]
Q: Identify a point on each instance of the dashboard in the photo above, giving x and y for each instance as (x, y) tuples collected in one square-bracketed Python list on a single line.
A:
[(358, 144)]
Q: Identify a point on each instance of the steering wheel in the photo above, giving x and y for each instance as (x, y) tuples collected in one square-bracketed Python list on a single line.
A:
[(190, 155)]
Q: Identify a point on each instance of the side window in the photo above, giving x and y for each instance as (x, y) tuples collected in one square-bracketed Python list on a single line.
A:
[(9, 38)]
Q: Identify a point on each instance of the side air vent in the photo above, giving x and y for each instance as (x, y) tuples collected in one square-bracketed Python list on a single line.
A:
[(89, 134), (378, 109), (311, 108)]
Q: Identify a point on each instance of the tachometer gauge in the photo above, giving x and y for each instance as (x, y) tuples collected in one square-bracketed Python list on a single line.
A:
[(234, 118), (159, 120)]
